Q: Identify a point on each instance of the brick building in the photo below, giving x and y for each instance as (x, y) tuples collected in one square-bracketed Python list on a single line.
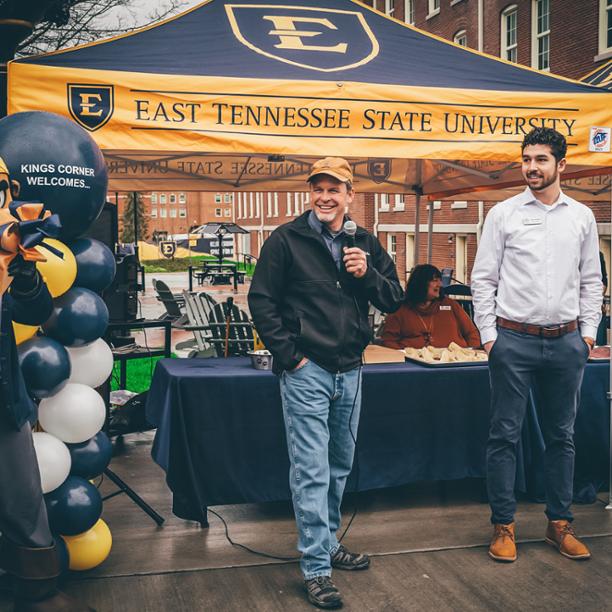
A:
[(567, 38), (564, 37)]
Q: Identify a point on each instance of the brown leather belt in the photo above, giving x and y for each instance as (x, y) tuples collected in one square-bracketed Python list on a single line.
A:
[(546, 331)]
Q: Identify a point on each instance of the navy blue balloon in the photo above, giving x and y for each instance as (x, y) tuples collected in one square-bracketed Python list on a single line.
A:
[(74, 507), (62, 553), (96, 265), (45, 365), (90, 458), (79, 316), (57, 163)]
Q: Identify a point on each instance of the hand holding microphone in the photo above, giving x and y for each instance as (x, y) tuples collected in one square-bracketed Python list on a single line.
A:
[(355, 261)]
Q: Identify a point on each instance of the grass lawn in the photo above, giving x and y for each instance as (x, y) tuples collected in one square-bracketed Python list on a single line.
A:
[(139, 373), (181, 264)]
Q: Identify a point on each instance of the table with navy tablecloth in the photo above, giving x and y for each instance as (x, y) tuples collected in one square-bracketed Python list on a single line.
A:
[(220, 434)]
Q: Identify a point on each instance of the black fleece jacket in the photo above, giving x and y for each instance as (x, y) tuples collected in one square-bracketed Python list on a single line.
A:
[(303, 306)]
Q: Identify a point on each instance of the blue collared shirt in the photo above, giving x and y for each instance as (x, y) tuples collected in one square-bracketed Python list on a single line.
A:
[(334, 242)]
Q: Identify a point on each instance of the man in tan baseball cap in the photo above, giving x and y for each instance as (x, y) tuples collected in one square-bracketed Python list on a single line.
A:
[(309, 299), (333, 166)]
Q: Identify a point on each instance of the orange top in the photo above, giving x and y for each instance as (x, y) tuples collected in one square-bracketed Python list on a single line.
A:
[(443, 322)]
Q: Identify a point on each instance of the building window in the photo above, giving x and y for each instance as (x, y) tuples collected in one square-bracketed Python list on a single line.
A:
[(251, 209), (173, 213), (460, 38), (162, 198), (509, 46), (269, 204), (227, 198), (173, 198), (154, 213), (257, 205), (182, 198), (289, 196), (218, 212), (217, 198), (163, 213), (459, 204), (384, 201), (239, 207), (392, 246), (433, 8), (605, 26), (182, 213), (400, 202), (227, 212), (389, 8), (153, 198), (409, 11), (540, 50), (275, 204)]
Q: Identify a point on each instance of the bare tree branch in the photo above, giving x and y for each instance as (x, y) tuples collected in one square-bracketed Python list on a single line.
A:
[(91, 21)]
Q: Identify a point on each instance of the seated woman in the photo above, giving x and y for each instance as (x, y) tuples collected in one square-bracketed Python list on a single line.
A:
[(426, 319)]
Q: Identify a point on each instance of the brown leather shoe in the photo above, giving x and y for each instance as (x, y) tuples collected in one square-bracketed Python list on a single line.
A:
[(502, 547), (561, 535)]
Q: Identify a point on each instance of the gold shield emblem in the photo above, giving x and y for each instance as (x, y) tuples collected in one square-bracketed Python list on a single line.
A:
[(320, 39)]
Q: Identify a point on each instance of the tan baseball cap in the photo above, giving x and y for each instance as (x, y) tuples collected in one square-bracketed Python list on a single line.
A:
[(333, 166), (3, 168)]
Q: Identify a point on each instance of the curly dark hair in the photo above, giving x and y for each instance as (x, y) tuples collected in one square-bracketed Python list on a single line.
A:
[(547, 136), (418, 283)]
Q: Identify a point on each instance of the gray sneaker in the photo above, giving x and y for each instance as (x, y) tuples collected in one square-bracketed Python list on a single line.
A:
[(344, 559), (322, 592)]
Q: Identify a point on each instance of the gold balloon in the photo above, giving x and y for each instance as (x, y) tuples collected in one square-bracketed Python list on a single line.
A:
[(23, 332), (58, 273), (90, 548)]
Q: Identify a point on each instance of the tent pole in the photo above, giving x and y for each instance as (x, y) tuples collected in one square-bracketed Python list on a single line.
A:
[(430, 219), (418, 189), (609, 395), (135, 213)]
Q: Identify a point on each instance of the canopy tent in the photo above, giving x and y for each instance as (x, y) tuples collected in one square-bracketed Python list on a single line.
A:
[(242, 96), (602, 76)]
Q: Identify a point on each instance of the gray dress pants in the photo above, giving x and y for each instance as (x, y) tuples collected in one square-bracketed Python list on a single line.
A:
[(554, 366), (23, 515)]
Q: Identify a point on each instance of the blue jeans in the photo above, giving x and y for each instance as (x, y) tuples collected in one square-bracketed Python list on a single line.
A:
[(555, 367), (321, 412)]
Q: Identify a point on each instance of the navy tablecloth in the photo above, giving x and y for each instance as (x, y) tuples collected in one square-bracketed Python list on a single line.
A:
[(221, 440)]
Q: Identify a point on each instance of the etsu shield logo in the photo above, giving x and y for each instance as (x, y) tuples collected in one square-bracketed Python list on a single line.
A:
[(91, 106), (379, 170), (314, 38), (167, 248)]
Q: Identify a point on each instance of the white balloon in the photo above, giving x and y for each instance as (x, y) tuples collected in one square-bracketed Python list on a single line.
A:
[(54, 460), (73, 415), (91, 364)]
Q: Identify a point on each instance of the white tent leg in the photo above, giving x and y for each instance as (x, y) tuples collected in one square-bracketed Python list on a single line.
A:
[(430, 220), (417, 210)]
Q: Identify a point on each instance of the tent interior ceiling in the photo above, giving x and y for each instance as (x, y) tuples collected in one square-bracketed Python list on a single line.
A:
[(243, 96)]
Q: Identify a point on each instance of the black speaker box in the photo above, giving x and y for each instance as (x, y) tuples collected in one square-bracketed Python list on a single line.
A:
[(106, 227), (121, 297)]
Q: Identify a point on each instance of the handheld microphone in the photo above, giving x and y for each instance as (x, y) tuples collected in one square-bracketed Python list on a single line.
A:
[(350, 229)]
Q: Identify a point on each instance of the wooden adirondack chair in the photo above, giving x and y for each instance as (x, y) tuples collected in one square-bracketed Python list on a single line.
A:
[(231, 329), (197, 309)]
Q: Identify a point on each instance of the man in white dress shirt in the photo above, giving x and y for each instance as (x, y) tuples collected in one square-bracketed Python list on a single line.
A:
[(536, 287)]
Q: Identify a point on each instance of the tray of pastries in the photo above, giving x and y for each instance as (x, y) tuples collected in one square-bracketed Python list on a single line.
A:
[(449, 357)]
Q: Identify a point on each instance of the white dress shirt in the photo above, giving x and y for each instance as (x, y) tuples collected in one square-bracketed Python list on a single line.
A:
[(538, 264)]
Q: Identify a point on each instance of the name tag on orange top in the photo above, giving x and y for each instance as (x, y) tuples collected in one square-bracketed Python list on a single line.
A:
[(445, 307)]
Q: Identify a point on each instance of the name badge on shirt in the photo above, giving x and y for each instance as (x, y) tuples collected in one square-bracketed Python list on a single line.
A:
[(445, 307), (532, 221)]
